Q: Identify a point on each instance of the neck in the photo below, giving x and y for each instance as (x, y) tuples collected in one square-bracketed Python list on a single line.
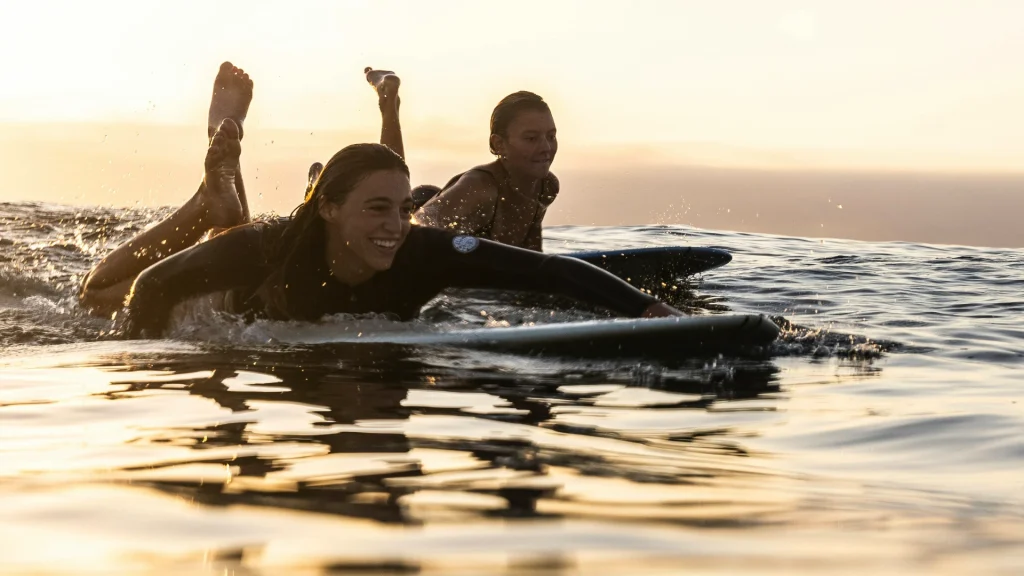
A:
[(523, 184), (345, 266)]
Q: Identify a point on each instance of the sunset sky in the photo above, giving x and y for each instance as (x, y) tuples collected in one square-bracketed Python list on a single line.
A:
[(718, 114), (926, 82)]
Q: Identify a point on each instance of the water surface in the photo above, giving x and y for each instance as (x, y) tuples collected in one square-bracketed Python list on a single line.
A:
[(883, 432)]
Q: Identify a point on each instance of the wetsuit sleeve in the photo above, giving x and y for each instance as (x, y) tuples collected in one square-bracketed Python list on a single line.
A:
[(485, 264), (232, 259)]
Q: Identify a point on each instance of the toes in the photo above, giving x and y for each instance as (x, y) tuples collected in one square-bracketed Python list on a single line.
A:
[(226, 67), (214, 155), (216, 148), (218, 137), (240, 77), (225, 135), (228, 130)]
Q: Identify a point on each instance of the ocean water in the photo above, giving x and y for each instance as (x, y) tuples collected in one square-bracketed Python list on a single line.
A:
[(884, 432)]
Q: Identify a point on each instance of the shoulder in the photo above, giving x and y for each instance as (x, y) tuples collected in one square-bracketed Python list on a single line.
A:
[(471, 193), (477, 179)]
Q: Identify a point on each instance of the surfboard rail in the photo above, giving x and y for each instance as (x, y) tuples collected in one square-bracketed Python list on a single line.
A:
[(673, 336)]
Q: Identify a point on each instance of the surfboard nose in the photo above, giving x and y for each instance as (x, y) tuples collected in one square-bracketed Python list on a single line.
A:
[(713, 258), (667, 262)]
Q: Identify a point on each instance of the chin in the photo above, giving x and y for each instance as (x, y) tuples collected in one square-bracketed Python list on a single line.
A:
[(381, 265), (539, 172)]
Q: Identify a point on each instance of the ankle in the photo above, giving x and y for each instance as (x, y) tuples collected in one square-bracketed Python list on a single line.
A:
[(389, 107)]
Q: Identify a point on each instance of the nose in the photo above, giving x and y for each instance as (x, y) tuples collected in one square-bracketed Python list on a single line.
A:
[(550, 146), (393, 223)]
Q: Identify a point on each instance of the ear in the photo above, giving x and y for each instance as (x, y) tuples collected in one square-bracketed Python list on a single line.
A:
[(497, 145), (328, 210)]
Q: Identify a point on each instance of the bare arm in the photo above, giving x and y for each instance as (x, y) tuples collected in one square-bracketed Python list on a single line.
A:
[(534, 237), (467, 207)]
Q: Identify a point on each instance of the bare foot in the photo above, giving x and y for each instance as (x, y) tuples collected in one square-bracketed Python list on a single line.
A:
[(314, 172), (386, 83), (219, 198), (232, 93)]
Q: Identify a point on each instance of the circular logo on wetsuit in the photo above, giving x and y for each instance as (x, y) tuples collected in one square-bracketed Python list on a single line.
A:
[(465, 244)]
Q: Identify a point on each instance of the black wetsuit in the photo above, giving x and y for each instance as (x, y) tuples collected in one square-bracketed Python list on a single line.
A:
[(429, 261)]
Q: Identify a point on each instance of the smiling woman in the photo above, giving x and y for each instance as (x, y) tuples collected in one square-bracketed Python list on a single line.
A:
[(504, 200), (365, 230)]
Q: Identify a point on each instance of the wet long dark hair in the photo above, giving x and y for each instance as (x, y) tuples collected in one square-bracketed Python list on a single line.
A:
[(511, 106), (292, 289)]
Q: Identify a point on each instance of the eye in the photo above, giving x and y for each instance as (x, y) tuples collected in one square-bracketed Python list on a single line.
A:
[(406, 211)]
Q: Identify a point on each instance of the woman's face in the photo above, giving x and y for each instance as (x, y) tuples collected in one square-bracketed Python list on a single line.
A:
[(365, 231), (530, 147)]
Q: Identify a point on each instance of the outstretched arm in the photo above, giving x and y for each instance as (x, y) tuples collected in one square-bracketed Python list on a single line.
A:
[(476, 263)]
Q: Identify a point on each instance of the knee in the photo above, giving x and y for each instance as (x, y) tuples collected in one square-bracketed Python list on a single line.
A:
[(99, 299)]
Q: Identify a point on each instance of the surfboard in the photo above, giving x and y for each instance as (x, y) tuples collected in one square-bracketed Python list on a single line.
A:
[(674, 336), (644, 267)]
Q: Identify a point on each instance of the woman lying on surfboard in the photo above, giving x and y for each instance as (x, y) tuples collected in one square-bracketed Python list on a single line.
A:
[(350, 247), (504, 200)]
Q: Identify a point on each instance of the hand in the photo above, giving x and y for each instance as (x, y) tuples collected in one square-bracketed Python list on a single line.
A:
[(661, 310)]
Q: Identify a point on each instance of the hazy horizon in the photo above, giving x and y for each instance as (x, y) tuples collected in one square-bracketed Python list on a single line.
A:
[(160, 165)]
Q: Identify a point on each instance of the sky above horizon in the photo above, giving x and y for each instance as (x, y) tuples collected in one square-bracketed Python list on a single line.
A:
[(932, 83)]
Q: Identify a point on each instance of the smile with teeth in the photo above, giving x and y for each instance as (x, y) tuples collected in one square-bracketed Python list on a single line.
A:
[(385, 244)]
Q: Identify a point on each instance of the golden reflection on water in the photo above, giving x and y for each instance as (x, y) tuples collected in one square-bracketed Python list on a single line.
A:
[(203, 463)]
